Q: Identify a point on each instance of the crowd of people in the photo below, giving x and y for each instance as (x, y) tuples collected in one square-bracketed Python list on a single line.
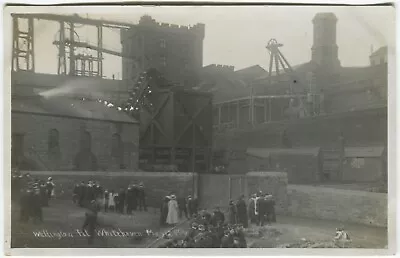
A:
[(123, 201), (214, 230), (262, 209), (172, 209), (32, 194), (210, 231)]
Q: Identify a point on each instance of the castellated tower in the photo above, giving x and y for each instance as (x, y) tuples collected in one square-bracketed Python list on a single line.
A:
[(325, 49), (175, 51)]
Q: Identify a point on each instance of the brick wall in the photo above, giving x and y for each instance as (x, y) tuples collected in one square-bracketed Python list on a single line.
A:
[(217, 190), (157, 184), (338, 204), (36, 132), (274, 183)]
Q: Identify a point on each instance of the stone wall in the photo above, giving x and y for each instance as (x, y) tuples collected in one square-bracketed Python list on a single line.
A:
[(274, 183), (338, 204), (157, 184), (36, 128)]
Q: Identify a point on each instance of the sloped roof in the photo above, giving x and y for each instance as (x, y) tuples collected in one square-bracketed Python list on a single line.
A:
[(265, 152), (364, 152), (380, 51), (69, 107), (252, 71)]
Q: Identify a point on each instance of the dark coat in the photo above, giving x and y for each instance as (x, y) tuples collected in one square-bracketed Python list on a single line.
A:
[(242, 213), (232, 214), (164, 211)]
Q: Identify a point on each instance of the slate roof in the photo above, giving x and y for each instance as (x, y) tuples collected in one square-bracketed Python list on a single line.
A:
[(364, 152), (266, 152), (69, 107)]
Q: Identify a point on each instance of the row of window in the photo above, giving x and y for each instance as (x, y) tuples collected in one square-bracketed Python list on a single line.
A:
[(54, 143)]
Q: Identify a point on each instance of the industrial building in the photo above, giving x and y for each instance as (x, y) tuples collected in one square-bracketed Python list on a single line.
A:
[(207, 116)]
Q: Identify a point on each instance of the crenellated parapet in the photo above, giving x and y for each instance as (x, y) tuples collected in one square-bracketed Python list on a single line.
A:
[(219, 68)]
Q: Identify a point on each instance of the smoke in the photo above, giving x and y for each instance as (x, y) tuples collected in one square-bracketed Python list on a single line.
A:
[(77, 87)]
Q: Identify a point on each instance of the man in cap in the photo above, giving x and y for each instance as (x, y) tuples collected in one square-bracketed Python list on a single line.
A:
[(91, 221), (37, 205), (164, 210), (25, 203), (142, 197), (50, 187), (191, 206), (129, 200), (218, 217), (135, 196), (43, 194), (242, 212)]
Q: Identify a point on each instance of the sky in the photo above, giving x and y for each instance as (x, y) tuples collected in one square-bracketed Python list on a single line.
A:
[(236, 36)]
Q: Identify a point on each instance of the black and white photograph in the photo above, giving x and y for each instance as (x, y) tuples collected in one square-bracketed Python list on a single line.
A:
[(156, 126)]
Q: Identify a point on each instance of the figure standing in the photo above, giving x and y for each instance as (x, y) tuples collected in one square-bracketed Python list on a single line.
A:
[(164, 210), (242, 212), (91, 221), (172, 217), (142, 197), (232, 213)]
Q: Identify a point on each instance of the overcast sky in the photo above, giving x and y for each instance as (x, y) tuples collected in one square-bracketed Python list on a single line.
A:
[(238, 35)]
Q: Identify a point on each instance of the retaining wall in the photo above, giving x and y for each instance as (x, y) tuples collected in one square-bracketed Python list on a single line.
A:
[(338, 204)]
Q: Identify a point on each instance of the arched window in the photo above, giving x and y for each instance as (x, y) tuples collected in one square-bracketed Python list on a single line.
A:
[(86, 141), (53, 141), (116, 146)]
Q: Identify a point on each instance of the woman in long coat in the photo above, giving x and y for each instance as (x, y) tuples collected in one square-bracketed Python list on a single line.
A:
[(172, 217)]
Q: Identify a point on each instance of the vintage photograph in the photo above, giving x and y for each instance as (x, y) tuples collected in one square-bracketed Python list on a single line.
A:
[(199, 126)]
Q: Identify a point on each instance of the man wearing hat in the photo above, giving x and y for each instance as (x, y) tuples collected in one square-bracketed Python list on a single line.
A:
[(91, 221), (129, 200), (242, 212), (164, 210), (218, 217), (50, 187), (142, 197), (191, 206)]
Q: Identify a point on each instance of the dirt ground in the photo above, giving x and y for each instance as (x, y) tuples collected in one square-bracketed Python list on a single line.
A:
[(65, 217), (288, 232), (308, 233)]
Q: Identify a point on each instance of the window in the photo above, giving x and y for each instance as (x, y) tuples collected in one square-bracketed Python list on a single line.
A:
[(86, 141), (54, 141), (163, 61), (116, 146), (17, 149), (163, 43)]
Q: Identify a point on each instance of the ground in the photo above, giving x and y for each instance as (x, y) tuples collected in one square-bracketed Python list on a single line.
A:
[(63, 216)]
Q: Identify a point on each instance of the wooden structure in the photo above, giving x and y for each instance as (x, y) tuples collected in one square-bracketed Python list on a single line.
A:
[(177, 130)]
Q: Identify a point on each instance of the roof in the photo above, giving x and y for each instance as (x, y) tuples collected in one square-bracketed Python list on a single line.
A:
[(364, 152), (380, 52), (69, 107), (253, 71), (265, 153)]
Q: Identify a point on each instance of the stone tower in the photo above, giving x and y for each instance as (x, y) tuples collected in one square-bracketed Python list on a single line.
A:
[(175, 51), (324, 49)]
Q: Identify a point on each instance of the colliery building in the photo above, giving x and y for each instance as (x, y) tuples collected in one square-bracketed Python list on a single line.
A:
[(317, 121)]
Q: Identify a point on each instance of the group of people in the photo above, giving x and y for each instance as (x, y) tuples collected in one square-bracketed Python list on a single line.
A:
[(33, 194), (262, 209), (172, 209), (125, 200), (211, 231)]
